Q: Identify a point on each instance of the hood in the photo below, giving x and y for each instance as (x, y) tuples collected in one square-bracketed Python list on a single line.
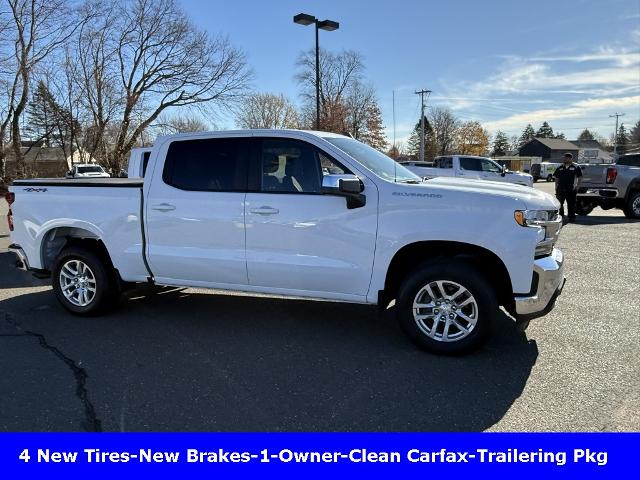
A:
[(532, 198)]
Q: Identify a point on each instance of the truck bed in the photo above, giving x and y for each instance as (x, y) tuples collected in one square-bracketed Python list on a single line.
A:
[(46, 210)]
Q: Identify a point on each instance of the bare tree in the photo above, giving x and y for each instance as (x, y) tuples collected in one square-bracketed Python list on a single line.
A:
[(35, 28), (338, 75), (267, 110), (181, 123), (445, 127), (140, 58)]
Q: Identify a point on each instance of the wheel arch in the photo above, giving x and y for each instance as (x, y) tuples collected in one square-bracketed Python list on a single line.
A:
[(485, 261), (58, 238)]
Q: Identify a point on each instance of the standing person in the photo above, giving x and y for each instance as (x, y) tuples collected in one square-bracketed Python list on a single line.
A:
[(568, 177)]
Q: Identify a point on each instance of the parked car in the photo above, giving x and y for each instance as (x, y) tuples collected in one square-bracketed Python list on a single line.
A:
[(260, 211), (543, 170), (471, 167), (87, 170), (611, 186)]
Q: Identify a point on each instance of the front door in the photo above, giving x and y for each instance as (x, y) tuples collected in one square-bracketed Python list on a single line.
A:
[(195, 213), (300, 240)]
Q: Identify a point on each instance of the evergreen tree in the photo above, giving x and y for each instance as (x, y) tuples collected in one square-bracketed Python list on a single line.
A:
[(500, 144), (560, 136), (41, 112), (413, 144), (527, 134), (634, 134), (545, 131), (586, 135), (622, 140), (374, 129), (49, 122)]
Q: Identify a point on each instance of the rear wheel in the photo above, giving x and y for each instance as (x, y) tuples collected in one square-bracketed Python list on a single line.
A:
[(632, 208), (83, 283), (446, 307), (549, 178)]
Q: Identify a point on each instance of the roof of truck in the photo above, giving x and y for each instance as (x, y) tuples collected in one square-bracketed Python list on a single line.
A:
[(262, 132)]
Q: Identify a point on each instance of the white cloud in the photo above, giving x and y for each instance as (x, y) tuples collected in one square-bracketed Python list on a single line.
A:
[(589, 108)]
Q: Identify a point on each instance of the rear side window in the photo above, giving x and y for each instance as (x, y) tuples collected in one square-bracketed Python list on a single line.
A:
[(145, 162), (468, 163), (444, 162), (630, 160), (212, 165)]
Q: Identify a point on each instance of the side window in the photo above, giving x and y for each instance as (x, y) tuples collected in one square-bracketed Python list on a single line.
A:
[(467, 163), (444, 162), (145, 162), (212, 164), (293, 166), (489, 166)]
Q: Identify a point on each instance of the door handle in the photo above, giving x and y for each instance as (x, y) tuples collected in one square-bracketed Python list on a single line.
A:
[(163, 207), (265, 211)]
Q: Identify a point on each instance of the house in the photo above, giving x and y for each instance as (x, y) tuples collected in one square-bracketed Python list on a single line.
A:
[(550, 149), (590, 151)]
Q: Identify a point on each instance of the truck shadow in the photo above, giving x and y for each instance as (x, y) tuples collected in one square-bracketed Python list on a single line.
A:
[(11, 277), (603, 220), (173, 359)]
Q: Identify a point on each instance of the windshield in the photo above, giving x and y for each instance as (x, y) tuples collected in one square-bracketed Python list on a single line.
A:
[(95, 169), (383, 166)]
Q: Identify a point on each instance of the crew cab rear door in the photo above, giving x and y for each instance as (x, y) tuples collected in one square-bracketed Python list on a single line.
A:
[(300, 240), (195, 212)]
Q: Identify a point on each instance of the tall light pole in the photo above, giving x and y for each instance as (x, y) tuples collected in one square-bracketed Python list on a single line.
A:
[(329, 26)]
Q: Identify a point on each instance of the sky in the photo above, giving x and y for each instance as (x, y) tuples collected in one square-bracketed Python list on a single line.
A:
[(504, 63)]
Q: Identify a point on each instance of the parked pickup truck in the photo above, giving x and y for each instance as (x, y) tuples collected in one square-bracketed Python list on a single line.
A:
[(303, 214), (470, 167), (138, 161), (87, 170), (611, 186)]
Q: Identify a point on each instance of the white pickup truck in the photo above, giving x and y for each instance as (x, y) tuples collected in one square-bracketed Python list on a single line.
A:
[(302, 214), (470, 167)]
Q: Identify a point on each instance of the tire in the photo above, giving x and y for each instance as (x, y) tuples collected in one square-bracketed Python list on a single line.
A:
[(584, 208), (477, 302), (632, 208), (91, 271), (549, 178)]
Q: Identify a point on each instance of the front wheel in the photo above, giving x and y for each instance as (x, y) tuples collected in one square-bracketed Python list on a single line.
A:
[(632, 209), (549, 178), (446, 307), (83, 283)]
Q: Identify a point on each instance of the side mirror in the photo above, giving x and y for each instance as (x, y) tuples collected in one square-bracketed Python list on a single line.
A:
[(349, 186)]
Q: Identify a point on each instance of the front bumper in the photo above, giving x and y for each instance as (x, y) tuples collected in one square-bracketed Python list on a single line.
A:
[(21, 258), (550, 275)]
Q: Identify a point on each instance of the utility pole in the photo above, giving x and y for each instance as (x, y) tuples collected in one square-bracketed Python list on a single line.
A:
[(422, 93), (615, 135)]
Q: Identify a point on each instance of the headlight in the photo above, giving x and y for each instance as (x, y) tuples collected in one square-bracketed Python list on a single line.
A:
[(528, 218)]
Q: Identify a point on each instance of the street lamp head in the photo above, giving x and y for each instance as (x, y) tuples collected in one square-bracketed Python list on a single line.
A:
[(304, 19), (328, 25)]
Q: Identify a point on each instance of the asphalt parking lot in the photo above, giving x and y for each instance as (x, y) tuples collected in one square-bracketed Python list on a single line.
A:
[(171, 359)]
